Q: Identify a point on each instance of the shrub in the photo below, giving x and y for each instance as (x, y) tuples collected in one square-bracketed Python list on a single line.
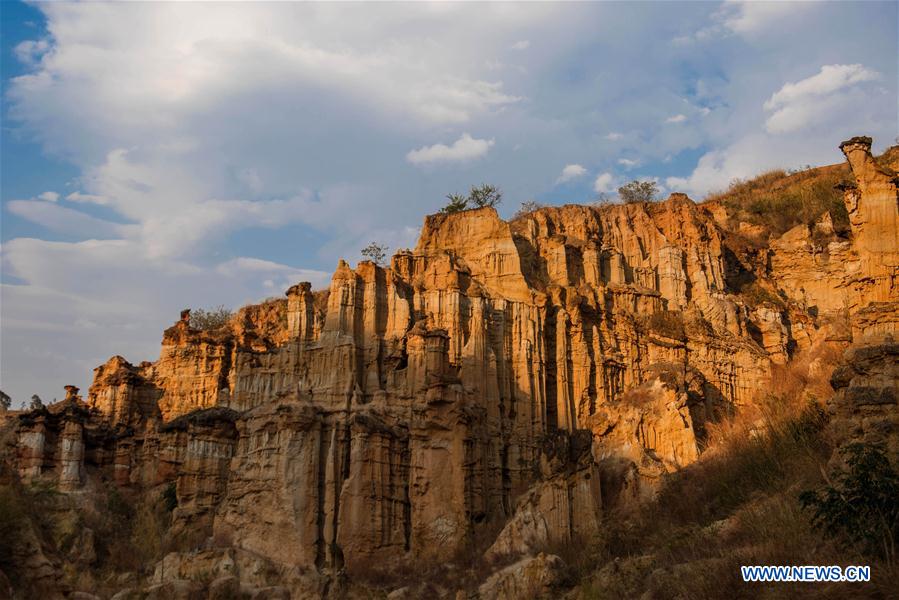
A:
[(12, 520), (669, 323), (862, 506), (756, 295), (213, 318), (482, 196), (457, 203)]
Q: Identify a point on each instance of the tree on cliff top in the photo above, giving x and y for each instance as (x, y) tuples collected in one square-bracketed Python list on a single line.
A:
[(213, 318), (638, 191), (5, 400), (482, 196), (36, 402), (375, 252)]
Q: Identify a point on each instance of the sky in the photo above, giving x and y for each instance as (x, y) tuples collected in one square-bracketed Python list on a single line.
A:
[(159, 156)]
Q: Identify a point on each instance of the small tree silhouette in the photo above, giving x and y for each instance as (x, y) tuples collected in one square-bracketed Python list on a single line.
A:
[(375, 252), (457, 203), (36, 402), (484, 195), (527, 207), (638, 191), (5, 401)]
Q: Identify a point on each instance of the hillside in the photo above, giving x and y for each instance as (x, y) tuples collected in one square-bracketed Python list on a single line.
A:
[(615, 401), (770, 204)]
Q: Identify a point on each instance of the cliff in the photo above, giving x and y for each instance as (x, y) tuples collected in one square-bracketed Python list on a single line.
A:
[(515, 377)]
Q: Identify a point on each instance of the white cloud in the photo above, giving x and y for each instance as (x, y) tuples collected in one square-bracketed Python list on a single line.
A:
[(571, 172), (751, 17), (828, 80), (807, 101), (676, 119), (466, 148), (49, 196), (614, 136), (66, 220), (30, 51), (604, 183), (86, 198), (628, 163), (746, 18), (521, 45)]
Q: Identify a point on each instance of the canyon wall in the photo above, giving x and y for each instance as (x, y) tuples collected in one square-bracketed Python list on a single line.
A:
[(517, 376)]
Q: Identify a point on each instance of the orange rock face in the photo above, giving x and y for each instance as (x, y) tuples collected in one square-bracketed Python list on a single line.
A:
[(409, 408)]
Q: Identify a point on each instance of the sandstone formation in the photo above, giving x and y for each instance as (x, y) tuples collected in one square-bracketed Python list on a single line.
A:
[(516, 377)]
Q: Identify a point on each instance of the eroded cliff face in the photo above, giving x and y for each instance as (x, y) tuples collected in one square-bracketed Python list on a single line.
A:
[(518, 376)]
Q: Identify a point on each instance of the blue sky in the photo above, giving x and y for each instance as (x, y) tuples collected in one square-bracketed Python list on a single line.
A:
[(157, 156)]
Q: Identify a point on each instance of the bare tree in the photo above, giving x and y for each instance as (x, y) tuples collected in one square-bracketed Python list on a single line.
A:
[(375, 252), (527, 207)]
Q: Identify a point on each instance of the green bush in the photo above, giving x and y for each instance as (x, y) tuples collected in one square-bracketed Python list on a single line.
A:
[(862, 506), (12, 519), (482, 196)]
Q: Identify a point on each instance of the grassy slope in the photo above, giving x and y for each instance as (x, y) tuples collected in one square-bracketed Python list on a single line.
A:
[(739, 505), (777, 201)]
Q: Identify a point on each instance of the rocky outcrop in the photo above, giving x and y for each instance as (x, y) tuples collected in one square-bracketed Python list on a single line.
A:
[(865, 408), (851, 274), (532, 577), (519, 377)]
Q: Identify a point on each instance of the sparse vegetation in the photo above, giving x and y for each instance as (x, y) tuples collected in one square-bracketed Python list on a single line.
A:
[(527, 207), (36, 403), (455, 203), (638, 191), (482, 196), (209, 319), (860, 505), (12, 520), (375, 252), (741, 505), (5, 401), (669, 323), (755, 295), (777, 201)]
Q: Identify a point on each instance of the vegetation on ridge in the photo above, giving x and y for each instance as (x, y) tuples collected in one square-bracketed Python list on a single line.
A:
[(777, 201), (209, 319), (638, 191), (481, 196)]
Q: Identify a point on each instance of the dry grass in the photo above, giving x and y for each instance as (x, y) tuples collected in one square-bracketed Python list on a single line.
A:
[(778, 201), (739, 505)]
